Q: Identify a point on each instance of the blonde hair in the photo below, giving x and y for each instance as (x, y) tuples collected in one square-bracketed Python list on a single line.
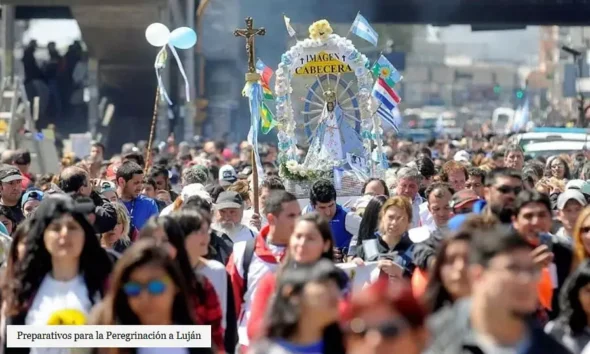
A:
[(242, 188), (579, 251), (400, 202), (123, 218)]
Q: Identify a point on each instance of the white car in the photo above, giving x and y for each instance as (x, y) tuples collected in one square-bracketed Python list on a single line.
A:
[(551, 148), (525, 139)]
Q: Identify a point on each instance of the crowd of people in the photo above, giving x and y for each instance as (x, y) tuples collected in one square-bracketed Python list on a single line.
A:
[(478, 249)]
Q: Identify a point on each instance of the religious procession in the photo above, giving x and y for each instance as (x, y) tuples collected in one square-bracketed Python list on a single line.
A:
[(341, 220)]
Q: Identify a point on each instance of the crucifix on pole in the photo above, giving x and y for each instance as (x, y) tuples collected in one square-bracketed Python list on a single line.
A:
[(252, 76)]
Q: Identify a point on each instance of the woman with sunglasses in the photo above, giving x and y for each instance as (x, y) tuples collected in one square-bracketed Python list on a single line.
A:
[(385, 318), (147, 288), (303, 314), (310, 242), (169, 235), (63, 271)]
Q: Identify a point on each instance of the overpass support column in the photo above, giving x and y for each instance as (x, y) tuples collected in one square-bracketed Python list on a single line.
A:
[(8, 15), (189, 117)]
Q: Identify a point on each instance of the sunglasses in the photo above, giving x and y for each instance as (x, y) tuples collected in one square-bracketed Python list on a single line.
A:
[(508, 189), (585, 230), (153, 287), (388, 329)]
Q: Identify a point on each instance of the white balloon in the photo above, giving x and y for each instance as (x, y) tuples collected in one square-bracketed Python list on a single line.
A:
[(157, 34)]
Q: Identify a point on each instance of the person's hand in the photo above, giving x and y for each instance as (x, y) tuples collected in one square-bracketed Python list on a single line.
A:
[(390, 268), (256, 221), (164, 196), (542, 256), (358, 261)]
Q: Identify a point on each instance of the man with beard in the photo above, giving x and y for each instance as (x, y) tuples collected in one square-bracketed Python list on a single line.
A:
[(229, 211), (496, 318), (532, 220), (502, 187)]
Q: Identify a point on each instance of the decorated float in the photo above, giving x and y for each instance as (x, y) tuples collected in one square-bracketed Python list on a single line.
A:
[(335, 115)]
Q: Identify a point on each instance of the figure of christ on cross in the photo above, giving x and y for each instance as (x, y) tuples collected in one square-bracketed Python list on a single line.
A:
[(249, 33)]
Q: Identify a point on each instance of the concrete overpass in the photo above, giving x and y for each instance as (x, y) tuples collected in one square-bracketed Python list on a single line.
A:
[(121, 60)]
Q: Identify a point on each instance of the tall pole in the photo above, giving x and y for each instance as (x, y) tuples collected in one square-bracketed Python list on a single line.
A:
[(581, 112), (189, 118)]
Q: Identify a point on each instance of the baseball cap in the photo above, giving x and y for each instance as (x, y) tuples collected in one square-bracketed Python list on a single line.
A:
[(570, 194), (463, 197), (9, 174), (228, 199), (461, 156), (578, 184), (195, 189), (227, 175), (31, 195)]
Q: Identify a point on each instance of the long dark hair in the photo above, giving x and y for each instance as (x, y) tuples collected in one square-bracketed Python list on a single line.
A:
[(382, 182), (94, 263), (436, 295), (284, 314), (176, 239), (370, 220), (325, 230), (572, 314), (115, 309)]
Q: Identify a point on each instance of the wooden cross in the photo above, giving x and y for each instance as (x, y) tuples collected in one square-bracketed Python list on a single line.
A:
[(249, 33)]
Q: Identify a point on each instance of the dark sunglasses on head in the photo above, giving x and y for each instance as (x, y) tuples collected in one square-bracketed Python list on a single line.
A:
[(35, 195), (508, 189), (585, 230), (154, 287), (388, 329)]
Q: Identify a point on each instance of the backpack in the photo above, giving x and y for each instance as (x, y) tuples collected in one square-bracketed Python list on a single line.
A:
[(248, 255)]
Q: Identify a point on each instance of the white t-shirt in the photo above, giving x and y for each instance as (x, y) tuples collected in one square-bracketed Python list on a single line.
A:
[(59, 303), (243, 233), (217, 275)]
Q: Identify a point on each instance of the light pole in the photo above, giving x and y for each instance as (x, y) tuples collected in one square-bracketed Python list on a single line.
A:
[(577, 55)]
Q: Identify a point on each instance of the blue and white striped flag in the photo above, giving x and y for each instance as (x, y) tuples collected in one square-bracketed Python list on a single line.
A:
[(363, 29), (387, 116)]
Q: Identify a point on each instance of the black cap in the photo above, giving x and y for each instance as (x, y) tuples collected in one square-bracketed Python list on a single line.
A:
[(9, 173)]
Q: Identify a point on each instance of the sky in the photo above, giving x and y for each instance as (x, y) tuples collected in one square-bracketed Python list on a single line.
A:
[(63, 32)]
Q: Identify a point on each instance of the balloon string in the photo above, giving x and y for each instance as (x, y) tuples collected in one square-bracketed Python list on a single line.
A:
[(152, 130), (158, 66), (181, 68)]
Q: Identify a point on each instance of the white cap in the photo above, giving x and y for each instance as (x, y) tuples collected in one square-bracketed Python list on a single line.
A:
[(195, 189), (462, 156), (227, 175)]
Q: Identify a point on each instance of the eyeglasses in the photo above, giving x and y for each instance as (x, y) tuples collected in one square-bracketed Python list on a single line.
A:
[(508, 189), (388, 329), (154, 287)]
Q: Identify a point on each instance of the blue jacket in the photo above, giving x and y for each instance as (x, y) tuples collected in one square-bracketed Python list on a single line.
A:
[(141, 209), (338, 224)]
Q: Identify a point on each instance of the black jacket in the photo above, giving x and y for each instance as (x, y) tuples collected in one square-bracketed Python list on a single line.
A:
[(426, 249), (106, 214), (220, 247)]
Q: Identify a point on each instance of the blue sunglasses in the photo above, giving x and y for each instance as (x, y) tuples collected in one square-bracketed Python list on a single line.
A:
[(154, 287)]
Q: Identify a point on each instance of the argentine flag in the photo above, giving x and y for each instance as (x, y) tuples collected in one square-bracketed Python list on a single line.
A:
[(363, 29)]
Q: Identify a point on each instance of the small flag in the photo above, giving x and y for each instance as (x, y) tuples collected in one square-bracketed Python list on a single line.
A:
[(385, 94), (385, 70), (290, 29), (267, 121), (387, 116), (363, 29), (267, 93), (265, 73)]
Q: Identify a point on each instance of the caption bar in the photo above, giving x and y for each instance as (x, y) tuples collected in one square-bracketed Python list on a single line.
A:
[(108, 336)]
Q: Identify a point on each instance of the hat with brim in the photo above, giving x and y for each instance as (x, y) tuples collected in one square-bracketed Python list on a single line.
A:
[(10, 174), (229, 200)]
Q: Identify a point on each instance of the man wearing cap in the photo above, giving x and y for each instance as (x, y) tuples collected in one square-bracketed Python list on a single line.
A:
[(569, 206), (229, 211), (30, 201), (227, 176), (581, 185), (11, 182), (463, 201)]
